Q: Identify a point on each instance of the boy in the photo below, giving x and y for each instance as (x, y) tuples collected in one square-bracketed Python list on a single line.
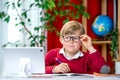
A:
[(69, 58)]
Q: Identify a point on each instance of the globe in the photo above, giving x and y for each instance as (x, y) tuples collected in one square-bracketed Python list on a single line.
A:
[(102, 25)]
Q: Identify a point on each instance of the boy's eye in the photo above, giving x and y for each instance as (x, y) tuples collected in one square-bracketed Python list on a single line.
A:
[(67, 37), (76, 37)]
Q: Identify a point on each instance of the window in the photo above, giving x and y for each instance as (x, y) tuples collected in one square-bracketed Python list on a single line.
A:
[(13, 32), (33, 15)]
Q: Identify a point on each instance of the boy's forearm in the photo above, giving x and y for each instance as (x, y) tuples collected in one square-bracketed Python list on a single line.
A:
[(99, 64)]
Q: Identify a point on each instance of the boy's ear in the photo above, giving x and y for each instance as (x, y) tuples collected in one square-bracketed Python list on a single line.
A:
[(61, 40)]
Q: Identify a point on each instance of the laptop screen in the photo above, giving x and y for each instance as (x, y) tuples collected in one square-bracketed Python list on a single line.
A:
[(14, 56)]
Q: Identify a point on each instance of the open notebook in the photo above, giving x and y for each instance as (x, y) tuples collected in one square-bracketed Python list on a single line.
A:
[(13, 56), (64, 74)]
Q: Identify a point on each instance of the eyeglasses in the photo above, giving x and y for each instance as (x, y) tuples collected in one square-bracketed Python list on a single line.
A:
[(74, 38)]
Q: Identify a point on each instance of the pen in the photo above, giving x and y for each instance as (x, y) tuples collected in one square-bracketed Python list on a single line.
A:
[(58, 60)]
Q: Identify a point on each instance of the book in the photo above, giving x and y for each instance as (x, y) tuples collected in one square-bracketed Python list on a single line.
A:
[(105, 75), (64, 74), (73, 74)]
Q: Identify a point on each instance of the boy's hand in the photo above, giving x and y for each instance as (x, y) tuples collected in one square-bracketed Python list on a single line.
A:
[(87, 42), (61, 68)]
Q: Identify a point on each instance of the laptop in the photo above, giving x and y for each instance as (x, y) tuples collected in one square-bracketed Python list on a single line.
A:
[(32, 55)]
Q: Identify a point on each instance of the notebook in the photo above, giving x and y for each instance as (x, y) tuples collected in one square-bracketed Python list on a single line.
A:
[(13, 57)]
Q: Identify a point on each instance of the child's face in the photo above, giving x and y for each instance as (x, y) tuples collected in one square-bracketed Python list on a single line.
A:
[(71, 43)]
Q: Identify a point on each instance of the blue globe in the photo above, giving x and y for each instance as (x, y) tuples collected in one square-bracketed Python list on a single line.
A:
[(102, 25)]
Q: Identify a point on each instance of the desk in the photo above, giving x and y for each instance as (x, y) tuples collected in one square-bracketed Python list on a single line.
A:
[(62, 78)]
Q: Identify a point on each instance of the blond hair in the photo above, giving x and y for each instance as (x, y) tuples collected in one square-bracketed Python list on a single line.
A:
[(70, 28)]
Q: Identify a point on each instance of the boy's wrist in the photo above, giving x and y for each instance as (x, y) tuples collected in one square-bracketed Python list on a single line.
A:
[(92, 50), (53, 70)]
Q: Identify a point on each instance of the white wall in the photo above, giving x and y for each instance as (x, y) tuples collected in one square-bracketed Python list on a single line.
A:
[(1, 39), (3, 36)]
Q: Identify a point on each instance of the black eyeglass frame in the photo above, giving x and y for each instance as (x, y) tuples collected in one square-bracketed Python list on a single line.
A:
[(73, 38)]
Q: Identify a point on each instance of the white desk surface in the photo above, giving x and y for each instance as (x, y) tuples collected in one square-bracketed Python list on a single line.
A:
[(61, 78), (58, 77)]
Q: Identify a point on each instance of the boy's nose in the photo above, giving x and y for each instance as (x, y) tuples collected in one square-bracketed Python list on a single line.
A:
[(71, 39)]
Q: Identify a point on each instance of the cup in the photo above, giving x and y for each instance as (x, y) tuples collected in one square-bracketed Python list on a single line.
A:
[(25, 67)]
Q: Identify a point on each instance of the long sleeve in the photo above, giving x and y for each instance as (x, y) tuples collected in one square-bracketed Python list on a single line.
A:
[(49, 60), (98, 63)]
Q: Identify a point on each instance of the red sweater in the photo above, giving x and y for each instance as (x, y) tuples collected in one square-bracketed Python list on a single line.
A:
[(89, 63)]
